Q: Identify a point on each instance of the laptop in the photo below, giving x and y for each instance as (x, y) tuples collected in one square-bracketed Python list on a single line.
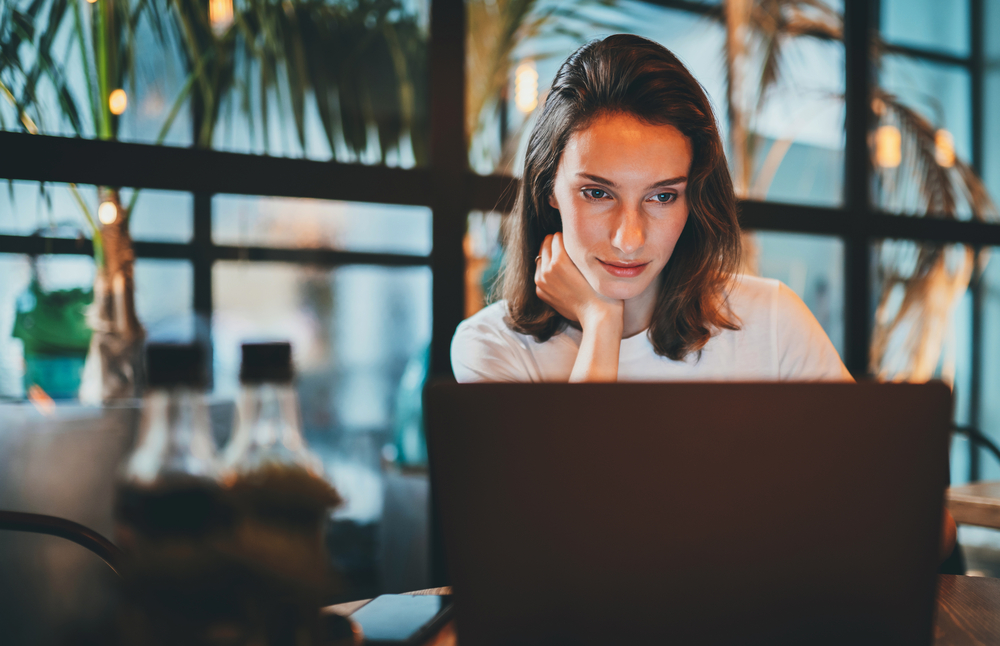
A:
[(711, 513)]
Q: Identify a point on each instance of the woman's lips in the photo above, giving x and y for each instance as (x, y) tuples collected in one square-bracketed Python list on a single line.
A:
[(624, 269)]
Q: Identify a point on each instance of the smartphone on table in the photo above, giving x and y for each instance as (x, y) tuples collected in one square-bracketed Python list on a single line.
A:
[(402, 618)]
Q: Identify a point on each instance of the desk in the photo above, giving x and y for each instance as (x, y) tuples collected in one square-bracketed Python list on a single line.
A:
[(975, 504), (968, 612)]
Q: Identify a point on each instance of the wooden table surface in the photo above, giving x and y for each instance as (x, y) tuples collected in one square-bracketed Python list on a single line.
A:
[(968, 612), (975, 504)]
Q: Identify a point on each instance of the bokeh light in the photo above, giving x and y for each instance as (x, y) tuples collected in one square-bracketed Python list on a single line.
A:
[(526, 87), (888, 147), (118, 101), (107, 213)]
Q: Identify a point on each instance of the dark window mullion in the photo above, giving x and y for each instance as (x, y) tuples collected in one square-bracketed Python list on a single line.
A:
[(319, 257), (192, 170), (976, 71), (928, 55), (202, 260), (859, 20)]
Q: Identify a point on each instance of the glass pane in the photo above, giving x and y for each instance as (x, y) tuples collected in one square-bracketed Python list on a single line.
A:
[(923, 322), (360, 337), (799, 145), (17, 274), (813, 267), (151, 83), (483, 256), (29, 207), (53, 210), (161, 216), (163, 303), (360, 92), (55, 373), (928, 24), (297, 222), (164, 299), (941, 95), (918, 295), (798, 151)]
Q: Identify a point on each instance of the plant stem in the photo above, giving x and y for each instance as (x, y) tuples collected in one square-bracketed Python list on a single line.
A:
[(95, 230)]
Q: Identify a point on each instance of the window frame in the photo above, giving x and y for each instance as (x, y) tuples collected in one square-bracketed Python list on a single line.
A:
[(451, 190)]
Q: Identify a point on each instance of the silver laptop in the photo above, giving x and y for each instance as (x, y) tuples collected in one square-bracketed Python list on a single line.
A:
[(690, 513)]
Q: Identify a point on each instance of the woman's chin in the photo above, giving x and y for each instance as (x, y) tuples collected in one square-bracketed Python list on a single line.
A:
[(620, 290)]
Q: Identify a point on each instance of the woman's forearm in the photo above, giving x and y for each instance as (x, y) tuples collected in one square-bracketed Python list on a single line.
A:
[(597, 359)]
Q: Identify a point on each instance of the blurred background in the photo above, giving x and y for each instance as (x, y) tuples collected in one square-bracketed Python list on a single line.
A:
[(334, 173)]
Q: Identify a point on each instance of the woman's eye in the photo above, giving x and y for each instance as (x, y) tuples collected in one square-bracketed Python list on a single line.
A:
[(595, 193), (664, 198)]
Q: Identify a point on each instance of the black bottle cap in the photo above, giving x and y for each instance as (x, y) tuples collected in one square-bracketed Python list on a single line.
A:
[(174, 364), (266, 362)]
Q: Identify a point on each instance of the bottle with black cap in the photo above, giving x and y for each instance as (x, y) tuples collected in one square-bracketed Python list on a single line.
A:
[(268, 431), (169, 484), (276, 482)]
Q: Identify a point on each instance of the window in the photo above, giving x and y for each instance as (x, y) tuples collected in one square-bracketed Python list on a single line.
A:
[(377, 218)]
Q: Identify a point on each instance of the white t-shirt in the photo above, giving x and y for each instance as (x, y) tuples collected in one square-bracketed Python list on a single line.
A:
[(779, 340)]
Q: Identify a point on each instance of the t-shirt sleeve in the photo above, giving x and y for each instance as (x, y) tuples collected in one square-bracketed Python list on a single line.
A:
[(805, 353), (481, 353)]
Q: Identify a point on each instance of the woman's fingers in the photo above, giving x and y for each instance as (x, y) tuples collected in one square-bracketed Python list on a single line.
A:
[(556, 247), (541, 261), (546, 250)]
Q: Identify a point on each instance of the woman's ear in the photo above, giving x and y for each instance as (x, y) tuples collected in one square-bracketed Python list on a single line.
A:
[(552, 201)]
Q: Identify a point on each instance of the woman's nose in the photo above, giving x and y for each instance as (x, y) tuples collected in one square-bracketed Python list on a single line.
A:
[(628, 235)]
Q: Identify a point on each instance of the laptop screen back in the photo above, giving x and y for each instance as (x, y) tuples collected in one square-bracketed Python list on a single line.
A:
[(690, 513)]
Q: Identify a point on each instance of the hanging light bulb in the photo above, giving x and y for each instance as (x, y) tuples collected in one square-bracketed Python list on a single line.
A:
[(526, 87), (944, 148), (888, 146), (878, 106), (220, 14), (118, 101), (91, 1), (107, 213)]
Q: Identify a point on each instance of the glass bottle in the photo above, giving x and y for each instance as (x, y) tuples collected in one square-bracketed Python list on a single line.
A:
[(169, 487), (275, 480), (268, 432)]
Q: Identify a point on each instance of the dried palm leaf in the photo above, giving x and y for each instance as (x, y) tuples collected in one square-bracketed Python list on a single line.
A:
[(494, 30), (921, 284), (757, 35)]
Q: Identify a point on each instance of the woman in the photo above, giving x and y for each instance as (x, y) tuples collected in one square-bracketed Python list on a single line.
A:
[(622, 251)]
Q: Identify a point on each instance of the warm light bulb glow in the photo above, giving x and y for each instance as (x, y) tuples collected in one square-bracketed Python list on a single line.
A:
[(91, 1), (888, 147), (944, 148), (107, 213), (118, 101), (220, 14), (526, 87)]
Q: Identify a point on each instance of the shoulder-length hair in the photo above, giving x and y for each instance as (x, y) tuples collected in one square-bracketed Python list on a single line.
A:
[(631, 75)]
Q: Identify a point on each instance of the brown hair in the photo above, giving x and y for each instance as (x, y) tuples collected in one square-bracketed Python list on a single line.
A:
[(631, 75)]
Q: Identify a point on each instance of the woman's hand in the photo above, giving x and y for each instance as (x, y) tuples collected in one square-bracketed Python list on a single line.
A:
[(559, 283)]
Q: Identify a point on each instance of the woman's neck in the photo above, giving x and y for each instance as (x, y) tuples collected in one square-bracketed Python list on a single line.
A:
[(639, 311)]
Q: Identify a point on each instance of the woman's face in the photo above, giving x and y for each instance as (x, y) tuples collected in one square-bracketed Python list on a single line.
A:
[(620, 189)]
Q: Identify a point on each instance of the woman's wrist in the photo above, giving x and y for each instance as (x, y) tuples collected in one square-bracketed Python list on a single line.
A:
[(606, 317)]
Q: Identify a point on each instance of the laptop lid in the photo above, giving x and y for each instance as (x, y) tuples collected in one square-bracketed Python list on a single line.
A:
[(691, 513)]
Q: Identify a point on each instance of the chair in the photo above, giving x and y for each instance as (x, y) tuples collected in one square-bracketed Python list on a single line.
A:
[(67, 529), (976, 503)]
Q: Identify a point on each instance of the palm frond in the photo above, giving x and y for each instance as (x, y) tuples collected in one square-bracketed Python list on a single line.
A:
[(907, 340)]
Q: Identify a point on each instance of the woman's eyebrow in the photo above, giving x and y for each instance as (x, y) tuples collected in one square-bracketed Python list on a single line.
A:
[(668, 182), (664, 182)]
